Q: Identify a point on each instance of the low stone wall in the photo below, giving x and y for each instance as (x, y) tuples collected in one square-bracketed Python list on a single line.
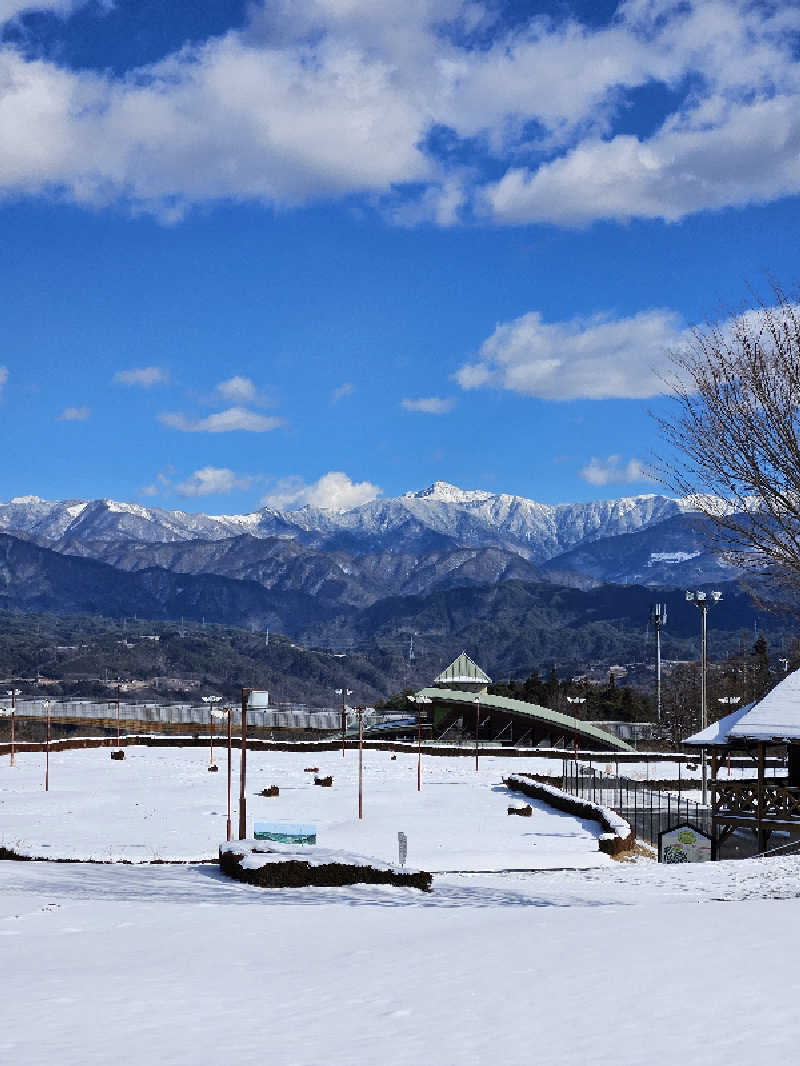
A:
[(619, 836)]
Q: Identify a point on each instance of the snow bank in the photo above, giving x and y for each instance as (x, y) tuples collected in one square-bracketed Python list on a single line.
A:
[(619, 835), (275, 865)]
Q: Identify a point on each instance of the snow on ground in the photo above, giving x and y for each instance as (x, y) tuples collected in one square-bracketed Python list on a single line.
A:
[(162, 803), (620, 963), (624, 965)]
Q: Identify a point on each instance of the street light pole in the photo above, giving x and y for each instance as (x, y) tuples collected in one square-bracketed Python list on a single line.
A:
[(13, 693), (119, 753), (360, 713), (47, 750), (343, 692), (419, 700), (215, 713), (701, 601), (211, 700), (477, 702)]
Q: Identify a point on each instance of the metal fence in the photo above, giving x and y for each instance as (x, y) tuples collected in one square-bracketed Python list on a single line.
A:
[(291, 716), (648, 810)]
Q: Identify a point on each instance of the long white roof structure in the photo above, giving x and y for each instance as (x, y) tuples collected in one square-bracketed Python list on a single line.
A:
[(775, 718)]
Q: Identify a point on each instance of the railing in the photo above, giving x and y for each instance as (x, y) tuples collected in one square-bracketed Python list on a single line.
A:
[(741, 798), (648, 810)]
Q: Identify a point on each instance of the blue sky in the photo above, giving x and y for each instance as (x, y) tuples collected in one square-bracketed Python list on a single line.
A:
[(321, 250)]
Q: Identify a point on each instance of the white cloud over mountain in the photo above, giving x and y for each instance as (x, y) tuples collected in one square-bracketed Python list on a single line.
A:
[(327, 99), (614, 470), (211, 480), (334, 491)]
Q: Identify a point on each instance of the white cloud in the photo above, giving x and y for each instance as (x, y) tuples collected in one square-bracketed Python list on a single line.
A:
[(9, 9), (3, 378), (343, 390), (144, 376), (74, 414), (162, 483), (429, 405), (234, 418), (333, 492), (613, 470), (241, 390), (594, 358), (335, 98), (210, 480)]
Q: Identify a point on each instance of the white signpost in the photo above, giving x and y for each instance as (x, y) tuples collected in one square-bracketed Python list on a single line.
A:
[(684, 843), (402, 847)]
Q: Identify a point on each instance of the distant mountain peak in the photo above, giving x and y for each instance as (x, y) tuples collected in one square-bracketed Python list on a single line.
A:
[(443, 490)]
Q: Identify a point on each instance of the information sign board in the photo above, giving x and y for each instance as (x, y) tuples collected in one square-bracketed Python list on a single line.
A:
[(285, 832), (684, 843)]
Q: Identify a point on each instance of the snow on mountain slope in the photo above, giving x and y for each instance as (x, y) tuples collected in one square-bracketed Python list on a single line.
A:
[(463, 517)]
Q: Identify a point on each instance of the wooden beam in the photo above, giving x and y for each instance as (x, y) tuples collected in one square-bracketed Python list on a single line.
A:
[(714, 803), (762, 838)]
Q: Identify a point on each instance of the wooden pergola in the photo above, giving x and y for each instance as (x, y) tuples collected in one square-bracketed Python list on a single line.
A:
[(767, 804)]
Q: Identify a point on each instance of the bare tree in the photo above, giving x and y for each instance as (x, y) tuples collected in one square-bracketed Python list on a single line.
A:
[(735, 432)]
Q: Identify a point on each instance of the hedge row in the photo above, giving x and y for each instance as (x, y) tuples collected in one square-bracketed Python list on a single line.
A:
[(295, 873), (619, 836)]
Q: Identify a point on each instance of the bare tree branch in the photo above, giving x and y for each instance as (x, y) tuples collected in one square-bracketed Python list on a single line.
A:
[(734, 431)]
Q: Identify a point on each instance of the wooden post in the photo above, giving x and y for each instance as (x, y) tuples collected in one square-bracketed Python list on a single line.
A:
[(762, 837), (243, 770)]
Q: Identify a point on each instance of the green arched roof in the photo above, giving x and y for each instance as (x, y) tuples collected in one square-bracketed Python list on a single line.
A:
[(528, 710)]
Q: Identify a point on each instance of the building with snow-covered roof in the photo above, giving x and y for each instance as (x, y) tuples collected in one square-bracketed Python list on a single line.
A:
[(765, 805)]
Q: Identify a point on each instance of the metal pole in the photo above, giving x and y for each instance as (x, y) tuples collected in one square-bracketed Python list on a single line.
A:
[(477, 728), (47, 753), (658, 670), (344, 722), (230, 738), (243, 770), (703, 702), (211, 730), (360, 711), (419, 748)]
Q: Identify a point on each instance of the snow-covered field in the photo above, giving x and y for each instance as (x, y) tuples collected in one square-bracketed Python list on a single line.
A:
[(161, 803), (622, 963), (666, 770), (625, 965)]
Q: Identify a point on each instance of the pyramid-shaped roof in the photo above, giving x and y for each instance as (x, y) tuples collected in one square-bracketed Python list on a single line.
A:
[(463, 671)]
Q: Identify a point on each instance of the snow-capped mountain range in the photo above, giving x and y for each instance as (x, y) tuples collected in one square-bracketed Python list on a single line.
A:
[(437, 517)]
